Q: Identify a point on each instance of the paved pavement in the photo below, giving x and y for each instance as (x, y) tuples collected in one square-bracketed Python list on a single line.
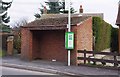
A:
[(55, 67)]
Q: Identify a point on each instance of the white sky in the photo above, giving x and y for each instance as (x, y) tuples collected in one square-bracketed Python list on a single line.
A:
[(25, 9)]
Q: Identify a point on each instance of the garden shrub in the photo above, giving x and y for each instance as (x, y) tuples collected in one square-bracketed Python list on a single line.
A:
[(105, 35)]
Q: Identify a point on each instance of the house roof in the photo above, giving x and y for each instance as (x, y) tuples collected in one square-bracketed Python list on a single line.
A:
[(118, 17), (44, 16), (56, 21)]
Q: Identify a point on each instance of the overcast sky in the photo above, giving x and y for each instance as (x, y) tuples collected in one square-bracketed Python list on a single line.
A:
[(25, 9)]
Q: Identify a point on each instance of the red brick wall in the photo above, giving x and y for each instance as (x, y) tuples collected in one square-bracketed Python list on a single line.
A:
[(48, 45), (26, 39), (74, 51), (85, 35)]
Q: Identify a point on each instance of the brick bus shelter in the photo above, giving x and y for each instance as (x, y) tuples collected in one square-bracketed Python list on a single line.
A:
[(44, 39)]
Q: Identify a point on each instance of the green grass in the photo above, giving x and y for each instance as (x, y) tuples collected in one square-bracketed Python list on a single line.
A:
[(2, 53)]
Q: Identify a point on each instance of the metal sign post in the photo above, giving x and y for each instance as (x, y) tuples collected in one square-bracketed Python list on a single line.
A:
[(69, 30), (69, 36), (69, 43)]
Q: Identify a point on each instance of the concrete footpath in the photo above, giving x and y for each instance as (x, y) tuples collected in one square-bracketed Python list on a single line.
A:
[(55, 67)]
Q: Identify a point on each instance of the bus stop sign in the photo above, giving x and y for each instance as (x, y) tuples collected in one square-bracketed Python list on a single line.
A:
[(69, 40)]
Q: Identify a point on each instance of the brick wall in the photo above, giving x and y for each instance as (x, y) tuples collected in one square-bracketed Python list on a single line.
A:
[(26, 38), (48, 45), (74, 51), (85, 35)]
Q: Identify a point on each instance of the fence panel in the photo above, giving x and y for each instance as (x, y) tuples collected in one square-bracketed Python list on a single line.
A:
[(93, 59)]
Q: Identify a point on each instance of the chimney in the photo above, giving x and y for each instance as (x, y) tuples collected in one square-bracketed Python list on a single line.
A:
[(45, 10), (81, 9)]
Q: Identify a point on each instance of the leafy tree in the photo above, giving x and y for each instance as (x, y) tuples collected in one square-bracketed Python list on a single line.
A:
[(37, 15), (54, 8), (17, 34), (5, 18), (72, 10), (58, 7), (4, 14), (114, 40), (4, 28), (63, 10)]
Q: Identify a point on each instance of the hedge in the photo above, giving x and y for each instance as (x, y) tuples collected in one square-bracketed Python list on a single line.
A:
[(105, 35), (114, 40)]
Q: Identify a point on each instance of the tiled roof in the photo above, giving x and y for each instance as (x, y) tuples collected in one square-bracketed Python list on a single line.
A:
[(57, 21), (44, 16)]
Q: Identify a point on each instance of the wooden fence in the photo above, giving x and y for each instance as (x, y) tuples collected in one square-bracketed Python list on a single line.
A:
[(102, 60)]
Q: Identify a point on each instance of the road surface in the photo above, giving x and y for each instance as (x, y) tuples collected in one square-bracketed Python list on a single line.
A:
[(15, 71)]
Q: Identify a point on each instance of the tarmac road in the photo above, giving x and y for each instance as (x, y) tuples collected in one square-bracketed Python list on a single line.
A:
[(15, 71)]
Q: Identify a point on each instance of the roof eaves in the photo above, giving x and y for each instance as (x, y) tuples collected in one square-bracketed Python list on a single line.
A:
[(31, 26)]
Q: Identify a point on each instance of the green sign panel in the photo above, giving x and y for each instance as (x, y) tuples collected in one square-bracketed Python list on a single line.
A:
[(69, 40)]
